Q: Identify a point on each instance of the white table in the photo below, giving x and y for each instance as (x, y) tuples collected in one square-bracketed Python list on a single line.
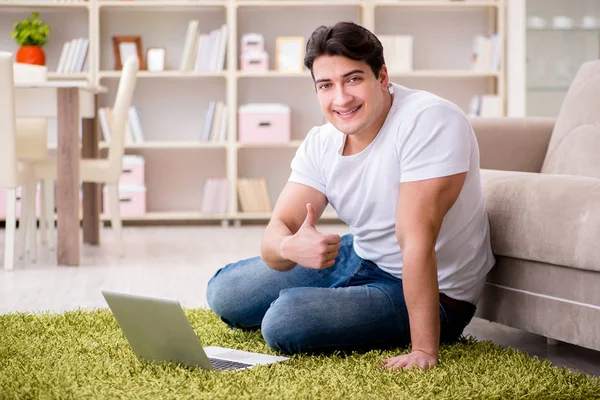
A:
[(62, 100)]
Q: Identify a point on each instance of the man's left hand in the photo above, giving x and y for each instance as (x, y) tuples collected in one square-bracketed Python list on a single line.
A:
[(417, 358)]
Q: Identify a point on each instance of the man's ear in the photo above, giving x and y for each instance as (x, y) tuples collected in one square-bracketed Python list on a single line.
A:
[(384, 78)]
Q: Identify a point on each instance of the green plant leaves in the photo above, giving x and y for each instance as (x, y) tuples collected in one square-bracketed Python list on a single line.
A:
[(31, 31)]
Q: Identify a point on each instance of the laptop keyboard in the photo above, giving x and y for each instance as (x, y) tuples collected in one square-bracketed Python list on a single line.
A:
[(226, 364)]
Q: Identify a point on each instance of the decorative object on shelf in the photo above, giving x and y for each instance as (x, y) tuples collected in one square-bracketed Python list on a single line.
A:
[(253, 58), (535, 22), (589, 22), (289, 54), (31, 34), (125, 46), (264, 123), (155, 59), (562, 22)]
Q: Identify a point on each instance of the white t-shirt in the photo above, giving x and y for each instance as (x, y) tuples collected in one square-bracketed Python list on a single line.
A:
[(423, 137)]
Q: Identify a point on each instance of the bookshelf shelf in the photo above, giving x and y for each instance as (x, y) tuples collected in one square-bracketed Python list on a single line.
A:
[(173, 105), (273, 74), (165, 74), (199, 216), (162, 5), (23, 5), (292, 144), (76, 75), (446, 74), (458, 4), (171, 145), (298, 3)]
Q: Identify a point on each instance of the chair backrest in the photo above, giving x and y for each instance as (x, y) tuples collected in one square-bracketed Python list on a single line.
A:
[(575, 143), (119, 113), (8, 147)]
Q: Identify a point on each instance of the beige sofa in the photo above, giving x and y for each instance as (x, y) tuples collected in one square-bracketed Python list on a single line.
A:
[(542, 188)]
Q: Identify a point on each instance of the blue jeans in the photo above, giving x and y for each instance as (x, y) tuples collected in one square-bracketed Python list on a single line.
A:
[(354, 305)]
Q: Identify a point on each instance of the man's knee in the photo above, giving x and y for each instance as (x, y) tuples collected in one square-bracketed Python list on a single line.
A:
[(281, 326), (228, 295), (213, 292)]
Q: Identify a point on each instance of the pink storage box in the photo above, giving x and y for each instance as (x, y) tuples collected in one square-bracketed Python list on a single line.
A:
[(264, 123), (132, 199), (255, 62), (252, 42), (18, 206), (133, 170)]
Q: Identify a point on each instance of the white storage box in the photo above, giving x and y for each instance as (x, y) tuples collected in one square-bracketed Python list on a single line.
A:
[(255, 62), (132, 200), (133, 170), (264, 123), (252, 42)]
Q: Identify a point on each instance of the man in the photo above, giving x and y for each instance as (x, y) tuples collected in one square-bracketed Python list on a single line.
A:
[(401, 168)]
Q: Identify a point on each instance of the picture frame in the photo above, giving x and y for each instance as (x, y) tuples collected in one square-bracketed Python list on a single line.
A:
[(125, 46), (289, 54), (156, 59)]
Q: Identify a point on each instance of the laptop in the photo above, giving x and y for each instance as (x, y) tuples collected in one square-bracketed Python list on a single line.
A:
[(158, 331)]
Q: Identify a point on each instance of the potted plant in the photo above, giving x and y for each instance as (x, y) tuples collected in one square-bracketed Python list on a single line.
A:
[(31, 34)]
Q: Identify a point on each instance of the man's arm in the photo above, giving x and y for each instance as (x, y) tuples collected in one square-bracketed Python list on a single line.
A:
[(421, 209), (282, 243)]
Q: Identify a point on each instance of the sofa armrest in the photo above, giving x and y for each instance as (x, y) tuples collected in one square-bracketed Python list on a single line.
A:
[(548, 218), (513, 144)]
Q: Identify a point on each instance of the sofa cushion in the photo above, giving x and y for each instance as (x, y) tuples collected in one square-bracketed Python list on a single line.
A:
[(575, 142), (541, 217)]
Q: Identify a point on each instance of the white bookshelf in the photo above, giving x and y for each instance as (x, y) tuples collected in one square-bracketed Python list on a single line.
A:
[(172, 104)]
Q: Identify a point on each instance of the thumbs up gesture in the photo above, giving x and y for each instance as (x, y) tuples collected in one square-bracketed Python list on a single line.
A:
[(309, 247)]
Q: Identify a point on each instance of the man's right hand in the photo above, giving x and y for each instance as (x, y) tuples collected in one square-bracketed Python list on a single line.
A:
[(309, 247)]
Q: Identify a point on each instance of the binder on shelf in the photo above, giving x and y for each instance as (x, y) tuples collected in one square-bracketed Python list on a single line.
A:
[(189, 48), (214, 197), (485, 106), (133, 126), (214, 128), (73, 55), (253, 195), (397, 52), (486, 53)]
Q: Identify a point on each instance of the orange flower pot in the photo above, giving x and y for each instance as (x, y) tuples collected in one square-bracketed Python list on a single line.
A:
[(31, 55)]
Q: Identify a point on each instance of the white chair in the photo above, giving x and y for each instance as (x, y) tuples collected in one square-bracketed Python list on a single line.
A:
[(13, 173), (107, 171), (32, 145)]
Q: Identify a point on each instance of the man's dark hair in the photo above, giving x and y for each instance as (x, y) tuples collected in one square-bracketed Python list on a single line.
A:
[(346, 39)]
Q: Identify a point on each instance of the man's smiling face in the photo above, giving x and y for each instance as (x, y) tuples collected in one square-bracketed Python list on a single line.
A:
[(350, 95)]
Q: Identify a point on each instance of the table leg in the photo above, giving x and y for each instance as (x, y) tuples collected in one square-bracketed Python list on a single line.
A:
[(67, 182), (91, 191)]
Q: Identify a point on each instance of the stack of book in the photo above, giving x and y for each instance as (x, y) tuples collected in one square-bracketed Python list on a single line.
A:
[(253, 195), (214, 199), (204, 52), (73, 55), (215, 123), (133, 128), (486, 53)]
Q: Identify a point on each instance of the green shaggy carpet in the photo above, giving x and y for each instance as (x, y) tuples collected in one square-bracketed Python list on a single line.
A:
[(83, 354)]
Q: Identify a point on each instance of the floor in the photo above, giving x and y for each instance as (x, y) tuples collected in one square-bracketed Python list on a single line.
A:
[(176, 262)]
